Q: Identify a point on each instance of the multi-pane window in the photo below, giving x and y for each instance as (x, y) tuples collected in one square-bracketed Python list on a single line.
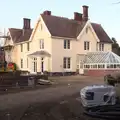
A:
[(66, 44), (35, 64), (86, 45), (21, 63), (66, 62), (41, 44), (101, 47), (28, 46), (21, 46)]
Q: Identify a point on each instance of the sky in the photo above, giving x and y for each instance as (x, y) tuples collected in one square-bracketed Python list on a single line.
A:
[(103, 12)]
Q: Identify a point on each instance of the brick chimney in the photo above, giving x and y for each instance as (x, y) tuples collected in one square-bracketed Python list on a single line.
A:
[(47, 12), (85, 13), (26, 23), (77, 16)]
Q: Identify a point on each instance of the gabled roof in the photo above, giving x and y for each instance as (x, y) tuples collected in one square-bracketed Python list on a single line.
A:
[(100, 32), (62, 27), (20, 35)]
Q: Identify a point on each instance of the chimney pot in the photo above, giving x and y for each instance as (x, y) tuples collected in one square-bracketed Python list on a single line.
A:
[(47, 12), (85, 12)]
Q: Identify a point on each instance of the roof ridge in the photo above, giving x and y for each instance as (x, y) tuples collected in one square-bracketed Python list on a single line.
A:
[(96, 23), (20, 28)]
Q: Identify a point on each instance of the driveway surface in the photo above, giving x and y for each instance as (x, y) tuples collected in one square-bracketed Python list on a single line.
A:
[(48, 103)]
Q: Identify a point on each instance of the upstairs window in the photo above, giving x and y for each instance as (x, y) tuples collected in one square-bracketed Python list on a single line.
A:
[(66, 44), (28, 46), (101, 47), (86, 45), (41, 44), (21, 46)]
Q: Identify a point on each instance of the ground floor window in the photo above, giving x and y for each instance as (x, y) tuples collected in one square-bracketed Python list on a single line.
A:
[(66, 62), (94, 66), (113, 65), (21, 63), (101, 66), (35, 64)]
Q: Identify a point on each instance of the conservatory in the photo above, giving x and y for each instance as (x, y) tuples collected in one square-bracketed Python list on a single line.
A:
[(101, 60)]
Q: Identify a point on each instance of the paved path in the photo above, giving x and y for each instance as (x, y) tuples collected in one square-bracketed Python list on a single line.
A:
[(29, 97)]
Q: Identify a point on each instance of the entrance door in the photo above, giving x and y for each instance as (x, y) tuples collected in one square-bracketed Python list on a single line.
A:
[(80, 63), (81, 69), (34, 65), (42, 65)]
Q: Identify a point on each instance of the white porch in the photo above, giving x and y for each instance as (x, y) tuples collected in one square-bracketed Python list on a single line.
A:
[(39, 61)]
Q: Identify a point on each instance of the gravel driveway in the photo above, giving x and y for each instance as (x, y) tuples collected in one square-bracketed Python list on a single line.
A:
[(47, 98), (70, 86)]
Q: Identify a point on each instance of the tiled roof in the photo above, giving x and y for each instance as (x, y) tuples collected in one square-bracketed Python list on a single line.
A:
[(60, 27), (100, 32), (20, 35), (64, 27)]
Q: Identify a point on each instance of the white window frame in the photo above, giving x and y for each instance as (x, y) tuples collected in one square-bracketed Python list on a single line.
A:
[(67, 44), (27, 63), (67, 62), (21, 47), (86, 45), (21, 63), (101, 46), (42, 44), (35, 64)]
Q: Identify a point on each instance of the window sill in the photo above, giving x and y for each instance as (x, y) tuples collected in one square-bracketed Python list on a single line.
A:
[(67, 70)]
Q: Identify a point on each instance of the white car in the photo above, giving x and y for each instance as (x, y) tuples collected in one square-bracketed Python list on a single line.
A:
[(98, 95)]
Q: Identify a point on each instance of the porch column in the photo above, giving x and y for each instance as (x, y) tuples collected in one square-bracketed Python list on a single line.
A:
[(38, 64), (49, 68)]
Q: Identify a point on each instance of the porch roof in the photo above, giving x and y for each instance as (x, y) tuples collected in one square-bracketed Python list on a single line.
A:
[(40, 53), (102, 57)]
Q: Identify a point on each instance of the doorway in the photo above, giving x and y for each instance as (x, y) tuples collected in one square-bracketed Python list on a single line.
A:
[(42, 65), (34, 64), (81, 68)]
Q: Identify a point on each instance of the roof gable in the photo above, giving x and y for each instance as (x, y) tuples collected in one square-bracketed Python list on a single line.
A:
[(62, 27), (18, 36), (101, 34), (59, 27)]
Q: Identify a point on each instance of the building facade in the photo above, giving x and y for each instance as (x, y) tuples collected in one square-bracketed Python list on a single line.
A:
[(56, 44)]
